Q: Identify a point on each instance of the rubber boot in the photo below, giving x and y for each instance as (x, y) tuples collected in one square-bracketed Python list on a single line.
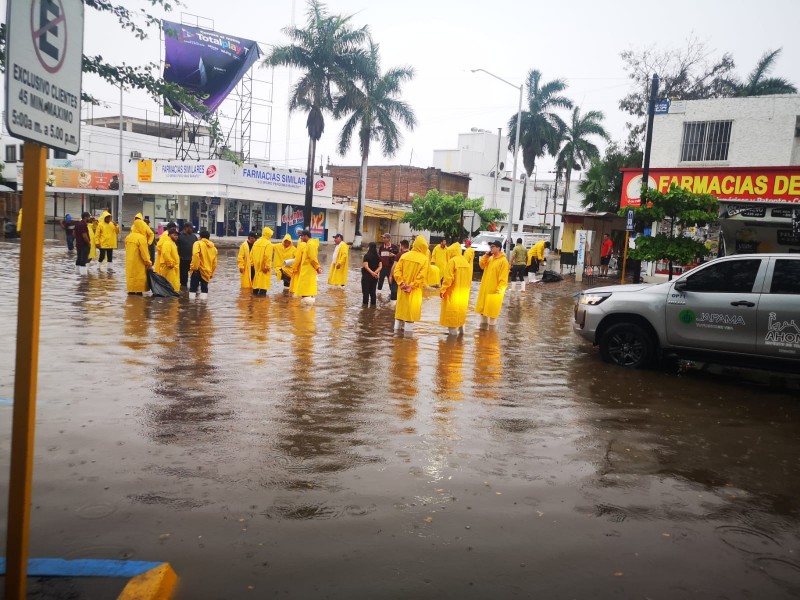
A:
[(398, 325), (203, 296), (492, 322), (484, 321), (461, 330), (408, 327), (452, 331), (308, 300)]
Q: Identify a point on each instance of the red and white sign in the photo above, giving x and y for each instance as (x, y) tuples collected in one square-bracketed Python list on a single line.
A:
[(740, 184), (319, 185)]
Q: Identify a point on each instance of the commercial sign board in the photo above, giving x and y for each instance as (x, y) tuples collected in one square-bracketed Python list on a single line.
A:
[(182, 171), (76, 180), (207, 63), (279, 180), (291, 222), (779, 185), (44, 46)]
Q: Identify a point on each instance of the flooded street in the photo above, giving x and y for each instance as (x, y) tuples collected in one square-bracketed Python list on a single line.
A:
[(263, 449)]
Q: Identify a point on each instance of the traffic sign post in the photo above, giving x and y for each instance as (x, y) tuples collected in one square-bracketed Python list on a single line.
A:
[(630, 222), (44, 54)]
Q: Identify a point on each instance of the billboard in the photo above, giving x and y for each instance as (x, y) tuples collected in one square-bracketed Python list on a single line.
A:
[(206, 63), (741, 184), (174, 171), (76, 180), (291, 222)]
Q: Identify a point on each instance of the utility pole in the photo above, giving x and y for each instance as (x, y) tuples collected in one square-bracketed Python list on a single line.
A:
[(497, 166), (648, 143)]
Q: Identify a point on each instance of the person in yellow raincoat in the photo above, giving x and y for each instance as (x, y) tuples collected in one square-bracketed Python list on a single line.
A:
[(168, 260), (439, 257), (434, 276), (410, 274), (92, 240), (493, 283), (19, 222), (281, 253), (164, 236), (204, 264), (307, 268), (262, 258), (340, 262), (535, 258), (137, 259), (455, 291), (151, 237), (106, 238), (296, 266), (469, 256), (245, 263)]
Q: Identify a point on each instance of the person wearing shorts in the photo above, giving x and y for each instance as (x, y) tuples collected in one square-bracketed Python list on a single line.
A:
[(605, 254)]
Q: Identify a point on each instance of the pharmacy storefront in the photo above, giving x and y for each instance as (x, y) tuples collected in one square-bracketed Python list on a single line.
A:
[(231, 200), (759, 206)]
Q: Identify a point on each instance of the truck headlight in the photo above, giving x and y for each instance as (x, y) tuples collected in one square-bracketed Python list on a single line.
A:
[(594, 299)]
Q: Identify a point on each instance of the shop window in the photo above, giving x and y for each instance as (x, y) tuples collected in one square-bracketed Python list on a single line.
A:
[(733, 277), (706, 141), (11, 153), (785, 277)]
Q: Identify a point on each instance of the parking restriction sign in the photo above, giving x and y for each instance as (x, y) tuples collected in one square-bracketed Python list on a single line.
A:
[(44, 53)]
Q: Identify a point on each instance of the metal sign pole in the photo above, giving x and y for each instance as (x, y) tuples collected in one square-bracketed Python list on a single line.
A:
[(27, 367), (625, 255)]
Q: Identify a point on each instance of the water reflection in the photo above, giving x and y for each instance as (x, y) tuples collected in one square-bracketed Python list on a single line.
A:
[(403, 374)]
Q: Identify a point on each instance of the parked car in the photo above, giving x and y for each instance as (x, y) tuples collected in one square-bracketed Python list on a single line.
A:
[(742, 309)]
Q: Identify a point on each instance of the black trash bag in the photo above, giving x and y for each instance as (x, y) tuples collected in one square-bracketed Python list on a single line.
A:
[(160, 286), (551, 277)]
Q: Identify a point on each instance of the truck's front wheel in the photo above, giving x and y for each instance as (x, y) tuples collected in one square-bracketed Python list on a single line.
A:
[(627, 345)]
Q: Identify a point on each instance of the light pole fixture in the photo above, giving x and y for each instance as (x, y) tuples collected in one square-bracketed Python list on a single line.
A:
[(516, 152)]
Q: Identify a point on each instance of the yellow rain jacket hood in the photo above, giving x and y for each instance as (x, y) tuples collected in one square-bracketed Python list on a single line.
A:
[(455, 289), (411, 270), (282, 254), (149, 233)]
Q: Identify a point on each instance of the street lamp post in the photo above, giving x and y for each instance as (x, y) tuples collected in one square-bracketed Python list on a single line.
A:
[(516, 152)]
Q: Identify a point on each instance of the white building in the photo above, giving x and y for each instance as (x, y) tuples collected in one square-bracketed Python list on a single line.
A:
[(226, 198), (743, 151)]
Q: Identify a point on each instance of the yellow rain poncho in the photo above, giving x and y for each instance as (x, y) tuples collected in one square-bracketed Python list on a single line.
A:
[(536, 251), (493, 285), (106, 235), (469, 256), (439, 258), (19, 221), (261, 255), (455, 289), (159, 245), (308, 269), (281, 254), (92, 243), (149, 235), (295, 268), (411, 270), (137, 258), (169, 262), (245, 263), (338, 274), (204, 258), (433, 278)]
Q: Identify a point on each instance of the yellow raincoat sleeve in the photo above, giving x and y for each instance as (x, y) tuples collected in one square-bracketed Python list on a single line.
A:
[(195, 264), (484, 260), (243, 258), (313, 255), (19, 221)]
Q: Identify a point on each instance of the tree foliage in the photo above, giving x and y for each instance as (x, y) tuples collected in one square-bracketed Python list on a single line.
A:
[(758, 84), (687, 73), (678, 209), (541, 128), (442, 213), (602, 186)]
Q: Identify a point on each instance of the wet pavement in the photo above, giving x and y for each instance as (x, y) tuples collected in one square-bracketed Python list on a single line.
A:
[(267, 449)]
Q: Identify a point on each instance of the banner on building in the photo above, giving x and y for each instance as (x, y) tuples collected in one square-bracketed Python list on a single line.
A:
[(291, 222), (741, 184), (178, 171), (79, 180), (206, 63)]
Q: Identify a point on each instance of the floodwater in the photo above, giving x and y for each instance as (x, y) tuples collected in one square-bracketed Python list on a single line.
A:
[(267, 449)]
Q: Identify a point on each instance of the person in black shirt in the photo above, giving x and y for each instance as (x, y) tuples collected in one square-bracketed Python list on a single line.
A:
[(370, 271), (186, 242), (82, 243), (388, 254)]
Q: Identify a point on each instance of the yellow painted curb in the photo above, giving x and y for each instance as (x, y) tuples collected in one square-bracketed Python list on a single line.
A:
[(156, 584)]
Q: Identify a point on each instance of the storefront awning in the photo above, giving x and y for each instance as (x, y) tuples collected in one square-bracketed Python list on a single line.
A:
[(381, 212)]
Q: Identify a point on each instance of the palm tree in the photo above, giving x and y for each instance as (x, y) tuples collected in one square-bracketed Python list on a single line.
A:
[(577, 149), (374, 111), (330, 52), (541, 128), (757, 82)]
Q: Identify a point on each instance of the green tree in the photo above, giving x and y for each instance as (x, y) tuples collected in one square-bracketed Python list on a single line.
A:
[(442, 213), (577, 150), (541, 128), (138, 77), (329, 51), (678, 209), (602, 187), (758, 84), (374, 110)]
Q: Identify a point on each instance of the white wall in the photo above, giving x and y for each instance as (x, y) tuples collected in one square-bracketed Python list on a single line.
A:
[(476, 153), (762, 133)]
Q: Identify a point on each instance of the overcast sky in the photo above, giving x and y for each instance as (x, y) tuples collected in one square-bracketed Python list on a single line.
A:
[(442, 40)]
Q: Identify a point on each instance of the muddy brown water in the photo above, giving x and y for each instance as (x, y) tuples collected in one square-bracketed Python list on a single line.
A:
[(267, 449)]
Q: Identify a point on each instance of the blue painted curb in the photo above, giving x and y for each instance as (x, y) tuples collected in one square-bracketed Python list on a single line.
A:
[(84, 567)]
